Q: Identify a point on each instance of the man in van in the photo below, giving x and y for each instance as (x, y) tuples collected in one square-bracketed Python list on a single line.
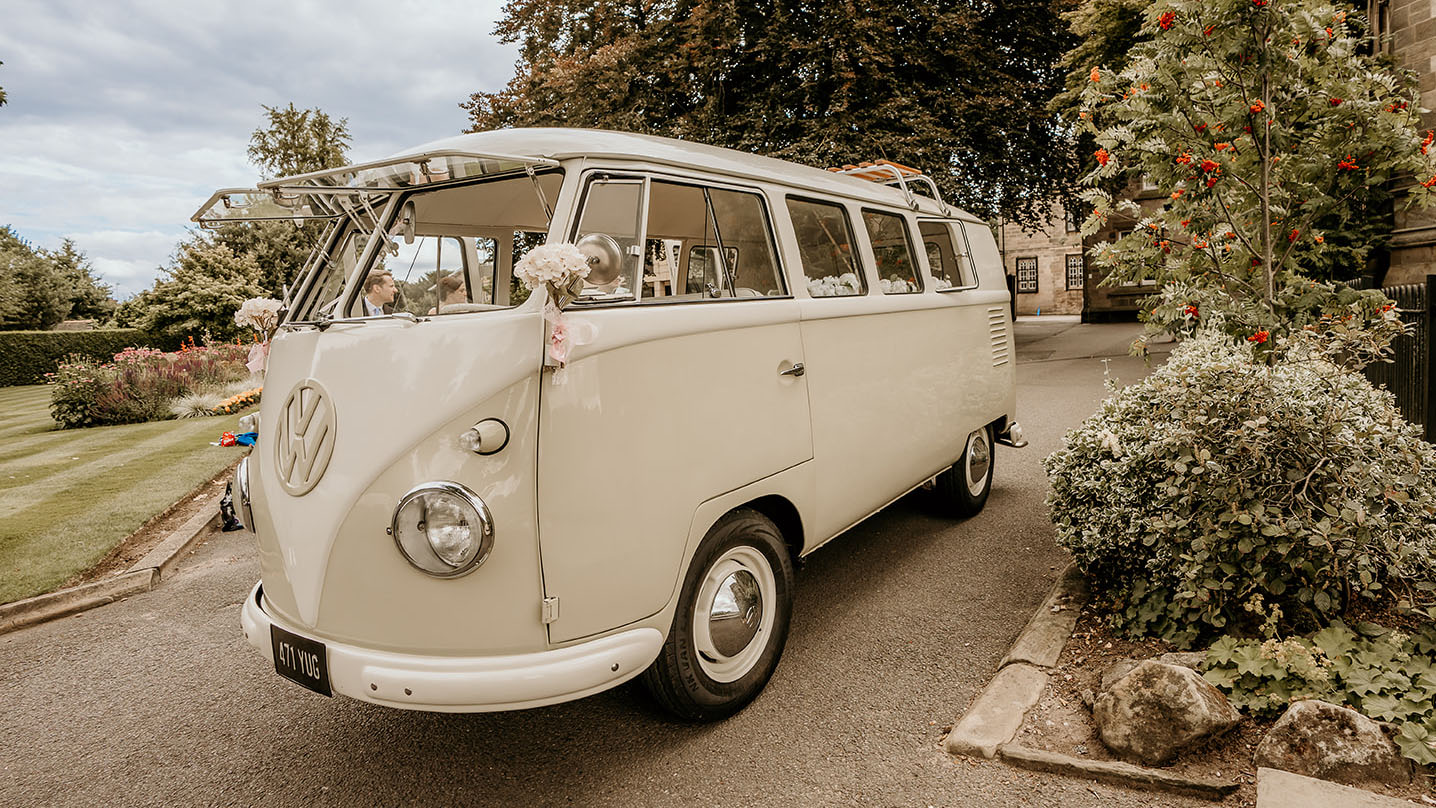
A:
[(379, 289)]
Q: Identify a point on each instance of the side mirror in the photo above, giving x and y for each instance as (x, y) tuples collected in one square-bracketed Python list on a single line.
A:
[(605, 258)]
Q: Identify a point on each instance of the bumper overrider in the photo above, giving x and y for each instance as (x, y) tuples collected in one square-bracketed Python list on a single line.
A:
[(468, 684)]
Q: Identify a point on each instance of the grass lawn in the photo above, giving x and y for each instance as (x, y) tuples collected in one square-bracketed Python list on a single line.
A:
[(68, 497)]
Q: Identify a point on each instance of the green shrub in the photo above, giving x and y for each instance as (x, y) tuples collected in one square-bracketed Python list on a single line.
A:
[(1224, 494), (1387, 675), (26, 356)]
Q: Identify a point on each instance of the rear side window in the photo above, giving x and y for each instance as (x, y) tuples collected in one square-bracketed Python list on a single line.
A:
[(947, 255), (892, 249), (825, 244)]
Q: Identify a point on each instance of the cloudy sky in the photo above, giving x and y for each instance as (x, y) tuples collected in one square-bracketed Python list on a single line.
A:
[(123, 117)]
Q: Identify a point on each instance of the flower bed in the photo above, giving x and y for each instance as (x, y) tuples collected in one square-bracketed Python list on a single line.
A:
[(141, 384)]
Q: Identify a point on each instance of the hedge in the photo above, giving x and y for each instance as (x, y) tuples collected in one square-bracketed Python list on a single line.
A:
[(26, 356)]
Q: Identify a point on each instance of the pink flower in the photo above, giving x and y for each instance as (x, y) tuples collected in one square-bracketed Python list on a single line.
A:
[(558, 342)]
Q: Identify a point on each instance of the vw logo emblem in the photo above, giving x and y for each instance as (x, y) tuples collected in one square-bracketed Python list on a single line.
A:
[(304, 441)]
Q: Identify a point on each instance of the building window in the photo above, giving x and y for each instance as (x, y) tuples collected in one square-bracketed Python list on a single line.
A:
[(1075, 270), (1072, 224), (1026, 275)]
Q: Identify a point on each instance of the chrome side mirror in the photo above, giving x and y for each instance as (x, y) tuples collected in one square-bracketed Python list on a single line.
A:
[(605, 258)]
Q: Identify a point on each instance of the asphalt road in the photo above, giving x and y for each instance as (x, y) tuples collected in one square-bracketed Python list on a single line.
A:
[(157, 700)]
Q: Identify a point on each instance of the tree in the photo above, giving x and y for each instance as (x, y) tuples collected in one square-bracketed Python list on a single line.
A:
[(89, 297), (206, 285), (959, 90), (298, 141), (1274, 139), (2, 93), (40, 288)]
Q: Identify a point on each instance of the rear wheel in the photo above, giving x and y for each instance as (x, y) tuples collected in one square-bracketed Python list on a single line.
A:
[(731, 623), (962, 490)]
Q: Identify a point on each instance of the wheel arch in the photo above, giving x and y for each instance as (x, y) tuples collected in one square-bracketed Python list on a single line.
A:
[(783, 513)]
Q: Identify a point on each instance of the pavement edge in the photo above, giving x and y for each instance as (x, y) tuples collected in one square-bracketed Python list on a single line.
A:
[(987, 728), (145, 575)]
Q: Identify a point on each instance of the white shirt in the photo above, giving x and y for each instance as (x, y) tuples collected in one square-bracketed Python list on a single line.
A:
[(372, 309)]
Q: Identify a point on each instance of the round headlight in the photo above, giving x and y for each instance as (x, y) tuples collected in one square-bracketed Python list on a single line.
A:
[(443, 529)]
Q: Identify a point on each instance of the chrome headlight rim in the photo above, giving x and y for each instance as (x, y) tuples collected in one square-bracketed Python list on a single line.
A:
[(246, 513), (469, 498)]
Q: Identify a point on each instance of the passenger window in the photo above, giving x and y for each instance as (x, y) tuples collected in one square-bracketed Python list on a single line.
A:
[(705, 243), (825, 244), (946, 254), (892, 249), (611, 212)]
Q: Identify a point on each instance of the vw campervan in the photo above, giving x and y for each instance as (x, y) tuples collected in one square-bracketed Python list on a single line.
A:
[(762, 356)]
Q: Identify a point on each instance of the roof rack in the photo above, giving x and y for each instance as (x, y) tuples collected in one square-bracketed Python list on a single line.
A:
[(888, 173)]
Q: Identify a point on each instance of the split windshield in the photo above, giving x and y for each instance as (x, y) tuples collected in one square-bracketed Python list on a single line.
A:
[(445, 251)]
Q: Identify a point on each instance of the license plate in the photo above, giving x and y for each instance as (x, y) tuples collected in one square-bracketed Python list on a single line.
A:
[(300, 660)]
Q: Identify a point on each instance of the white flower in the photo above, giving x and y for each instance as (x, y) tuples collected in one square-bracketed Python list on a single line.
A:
[(551, 263), (260, 314)]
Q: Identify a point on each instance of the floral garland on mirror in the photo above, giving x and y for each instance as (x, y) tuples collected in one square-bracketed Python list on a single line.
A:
[(561, 270)]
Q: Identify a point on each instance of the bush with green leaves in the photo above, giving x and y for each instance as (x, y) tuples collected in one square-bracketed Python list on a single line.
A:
[(1231, 492), (1384, 674)]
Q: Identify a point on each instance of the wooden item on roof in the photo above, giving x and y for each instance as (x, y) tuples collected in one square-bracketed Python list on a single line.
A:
[(879, 171)]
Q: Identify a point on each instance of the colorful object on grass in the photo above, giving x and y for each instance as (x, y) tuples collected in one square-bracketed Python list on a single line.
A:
[(242, 439), (237, 402)]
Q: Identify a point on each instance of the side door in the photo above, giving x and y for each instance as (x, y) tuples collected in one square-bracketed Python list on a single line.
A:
[(680, 393)]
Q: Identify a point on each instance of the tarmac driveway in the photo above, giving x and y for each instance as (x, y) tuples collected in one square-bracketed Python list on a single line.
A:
[(157, 700)]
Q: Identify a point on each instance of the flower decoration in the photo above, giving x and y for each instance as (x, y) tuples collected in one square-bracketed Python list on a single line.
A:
[(260, 315), (560, 268)]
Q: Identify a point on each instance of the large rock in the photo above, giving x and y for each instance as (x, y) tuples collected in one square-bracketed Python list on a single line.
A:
[(1333, 743), (1157, 710)]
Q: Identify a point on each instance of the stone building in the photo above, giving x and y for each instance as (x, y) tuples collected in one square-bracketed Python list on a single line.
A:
[(1407, 29), (1047, 265)]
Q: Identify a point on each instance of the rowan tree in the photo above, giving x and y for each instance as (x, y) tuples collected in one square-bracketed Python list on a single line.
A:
[(1272, 135), (959, 90)]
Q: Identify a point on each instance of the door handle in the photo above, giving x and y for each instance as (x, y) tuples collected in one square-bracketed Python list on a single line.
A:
[(796, 370)]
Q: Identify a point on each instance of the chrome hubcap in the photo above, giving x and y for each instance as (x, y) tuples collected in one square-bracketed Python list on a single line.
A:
[(979, 461), (731, 625), (736, 613)]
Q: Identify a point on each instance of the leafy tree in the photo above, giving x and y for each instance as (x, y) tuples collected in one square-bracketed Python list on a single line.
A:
[(89, 297), (957, 89), (40, 288), (206, 285), (1275, 139), (298, 141)]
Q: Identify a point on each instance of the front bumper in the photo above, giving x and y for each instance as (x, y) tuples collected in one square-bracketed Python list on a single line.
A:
[(469, 684)]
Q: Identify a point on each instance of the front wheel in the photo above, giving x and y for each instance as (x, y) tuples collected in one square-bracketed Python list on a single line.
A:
[(731, 623), (962, 490)]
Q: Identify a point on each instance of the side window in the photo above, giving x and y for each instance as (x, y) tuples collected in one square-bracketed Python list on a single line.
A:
[(892, 249), (946, 248), (825, 244), (612, 210), (706, 243)]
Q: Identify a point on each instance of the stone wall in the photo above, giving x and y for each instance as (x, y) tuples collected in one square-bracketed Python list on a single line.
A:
[(1050, 247)]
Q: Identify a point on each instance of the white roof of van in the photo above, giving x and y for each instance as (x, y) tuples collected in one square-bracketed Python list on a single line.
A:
[(562, 144)]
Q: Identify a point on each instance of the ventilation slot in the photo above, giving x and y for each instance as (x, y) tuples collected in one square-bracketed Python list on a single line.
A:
[(997, 329)]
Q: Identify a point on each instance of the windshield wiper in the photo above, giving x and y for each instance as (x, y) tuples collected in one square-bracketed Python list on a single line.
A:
[(405, 316)]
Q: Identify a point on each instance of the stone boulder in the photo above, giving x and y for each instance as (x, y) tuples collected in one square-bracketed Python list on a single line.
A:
[(1323, 740), (1157, 710)]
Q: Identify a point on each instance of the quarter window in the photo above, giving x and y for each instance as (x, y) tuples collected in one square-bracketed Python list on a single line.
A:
[(612, 211), (825, 244), (1076, 269), (946, 248), (1026, 275), (892, 249)]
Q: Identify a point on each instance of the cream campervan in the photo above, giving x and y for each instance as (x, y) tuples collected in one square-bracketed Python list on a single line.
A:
[(761, 356)]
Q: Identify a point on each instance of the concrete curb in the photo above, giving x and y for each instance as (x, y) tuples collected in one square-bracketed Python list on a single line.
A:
[(1117, 773), (142, 577), (986, 730), (993, 720)]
